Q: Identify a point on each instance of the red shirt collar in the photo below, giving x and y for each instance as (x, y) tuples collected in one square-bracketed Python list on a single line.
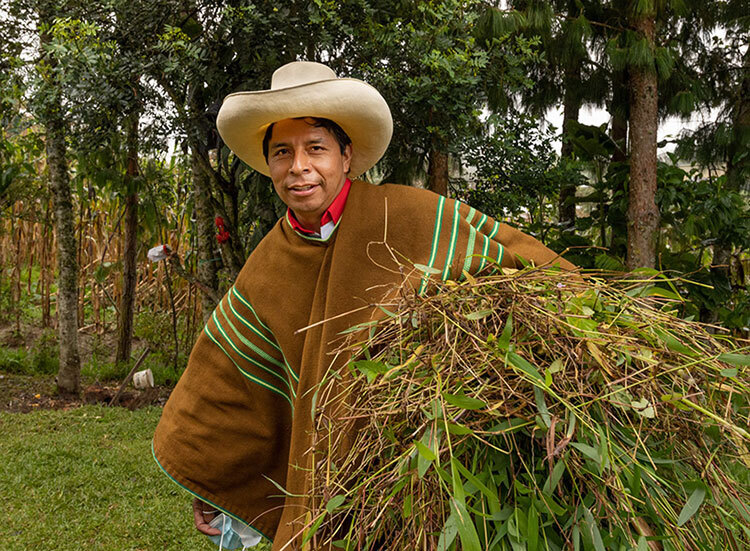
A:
[(332, 213)]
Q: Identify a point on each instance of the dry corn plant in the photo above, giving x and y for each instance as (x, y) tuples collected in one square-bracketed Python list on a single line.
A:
[(535, 410)]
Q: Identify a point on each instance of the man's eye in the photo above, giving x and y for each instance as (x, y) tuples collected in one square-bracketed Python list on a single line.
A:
[(279, 152)]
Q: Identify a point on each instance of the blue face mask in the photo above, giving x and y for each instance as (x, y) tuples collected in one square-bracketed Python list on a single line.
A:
[(234, 533)]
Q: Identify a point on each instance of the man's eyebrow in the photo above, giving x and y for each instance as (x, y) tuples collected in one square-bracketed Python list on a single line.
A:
[(311, 141)]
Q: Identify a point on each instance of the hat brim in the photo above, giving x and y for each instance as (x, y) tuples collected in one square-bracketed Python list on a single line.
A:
[(354, 105)]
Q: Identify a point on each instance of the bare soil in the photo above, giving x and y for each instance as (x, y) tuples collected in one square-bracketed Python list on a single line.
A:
[(24, 393)]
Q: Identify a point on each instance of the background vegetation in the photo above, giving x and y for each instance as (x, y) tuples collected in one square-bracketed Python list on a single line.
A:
[(108, 147)]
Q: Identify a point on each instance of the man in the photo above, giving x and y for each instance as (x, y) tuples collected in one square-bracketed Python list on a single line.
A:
[(237, 430)]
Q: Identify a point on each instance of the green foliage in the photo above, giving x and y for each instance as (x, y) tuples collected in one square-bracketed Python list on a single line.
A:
[(41, 358), (92, 471), (514, 169), (427, 63)]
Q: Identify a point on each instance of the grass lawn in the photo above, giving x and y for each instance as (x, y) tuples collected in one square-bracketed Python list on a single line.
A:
[(85, 479)]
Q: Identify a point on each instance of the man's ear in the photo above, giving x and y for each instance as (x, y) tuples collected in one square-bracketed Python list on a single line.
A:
[(347, 158)]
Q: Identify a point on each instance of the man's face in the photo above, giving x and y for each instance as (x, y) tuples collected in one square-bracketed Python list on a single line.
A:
[(307, 168)]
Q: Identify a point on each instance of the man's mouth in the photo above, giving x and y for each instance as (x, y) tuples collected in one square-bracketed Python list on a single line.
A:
[(302, 189)]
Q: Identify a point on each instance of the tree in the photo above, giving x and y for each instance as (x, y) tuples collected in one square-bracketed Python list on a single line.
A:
[(643, 215), (51, 114), (567, 73)]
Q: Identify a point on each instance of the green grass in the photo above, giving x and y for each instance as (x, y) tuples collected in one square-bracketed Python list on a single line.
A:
[(85, 479)]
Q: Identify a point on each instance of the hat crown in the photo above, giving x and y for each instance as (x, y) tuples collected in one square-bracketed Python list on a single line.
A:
[(298, 73)]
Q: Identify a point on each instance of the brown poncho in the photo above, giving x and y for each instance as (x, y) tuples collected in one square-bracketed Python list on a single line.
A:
[(237, 427)]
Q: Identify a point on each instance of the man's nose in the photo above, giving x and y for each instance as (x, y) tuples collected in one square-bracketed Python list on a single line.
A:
[(300, 162)]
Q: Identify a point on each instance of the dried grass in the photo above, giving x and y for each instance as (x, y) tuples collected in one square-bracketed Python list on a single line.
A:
[(535, 410)]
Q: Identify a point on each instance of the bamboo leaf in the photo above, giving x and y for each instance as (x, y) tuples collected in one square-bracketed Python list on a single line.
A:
[(462, 401), (478, 315), (491, 496), (424, 451), (370, 368), (554, 478), (466, 530), (426, 269), (458, 430), (673, 343), (532, 529), (735, 359), (593, 530), (335, 502), (692, 505), (587, 450), (542, 406), (518, 362), (313, 529), (448, 533), (504, 341)]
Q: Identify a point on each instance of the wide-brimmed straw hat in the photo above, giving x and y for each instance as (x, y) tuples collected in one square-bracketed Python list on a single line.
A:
[(308, 89)]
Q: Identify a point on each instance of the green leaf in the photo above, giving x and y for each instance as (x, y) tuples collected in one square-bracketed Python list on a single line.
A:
[(542, 406), (466, 530), (635, 481), (504, 341), (692, 505), (735, 359), (741, 508), (673, 343), (314, 528), (576, 534), (642, 544), (556, 366), (448, 533), (370, 369), (660, 292), (554, 478), (335, 502), (426, 269), (462, 401), (458, 430), (587, 450), (732, 372), (426, 454), (478, 315), (491, 496), (593, 530), (532, 529), (518, 362), (424, 451), (359, 327)]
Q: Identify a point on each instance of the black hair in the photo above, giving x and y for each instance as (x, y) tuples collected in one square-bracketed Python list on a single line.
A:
[(336, 131)]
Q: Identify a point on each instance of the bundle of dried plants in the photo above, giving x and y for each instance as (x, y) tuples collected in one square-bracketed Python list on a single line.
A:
[(536, 410)]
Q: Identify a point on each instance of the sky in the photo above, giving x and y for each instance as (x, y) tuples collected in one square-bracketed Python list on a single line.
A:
[(668, 129)]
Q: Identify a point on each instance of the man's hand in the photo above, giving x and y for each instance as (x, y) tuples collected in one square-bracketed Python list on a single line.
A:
[(203, 513)]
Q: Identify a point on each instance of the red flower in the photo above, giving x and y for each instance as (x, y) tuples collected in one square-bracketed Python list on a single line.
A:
[(222, 236)]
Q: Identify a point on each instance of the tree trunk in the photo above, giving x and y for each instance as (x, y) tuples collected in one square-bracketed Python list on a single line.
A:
[(129, 267), (67, 263), (68, 375), (204, 221), (437, 172), (566, 206), (643, 214)]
